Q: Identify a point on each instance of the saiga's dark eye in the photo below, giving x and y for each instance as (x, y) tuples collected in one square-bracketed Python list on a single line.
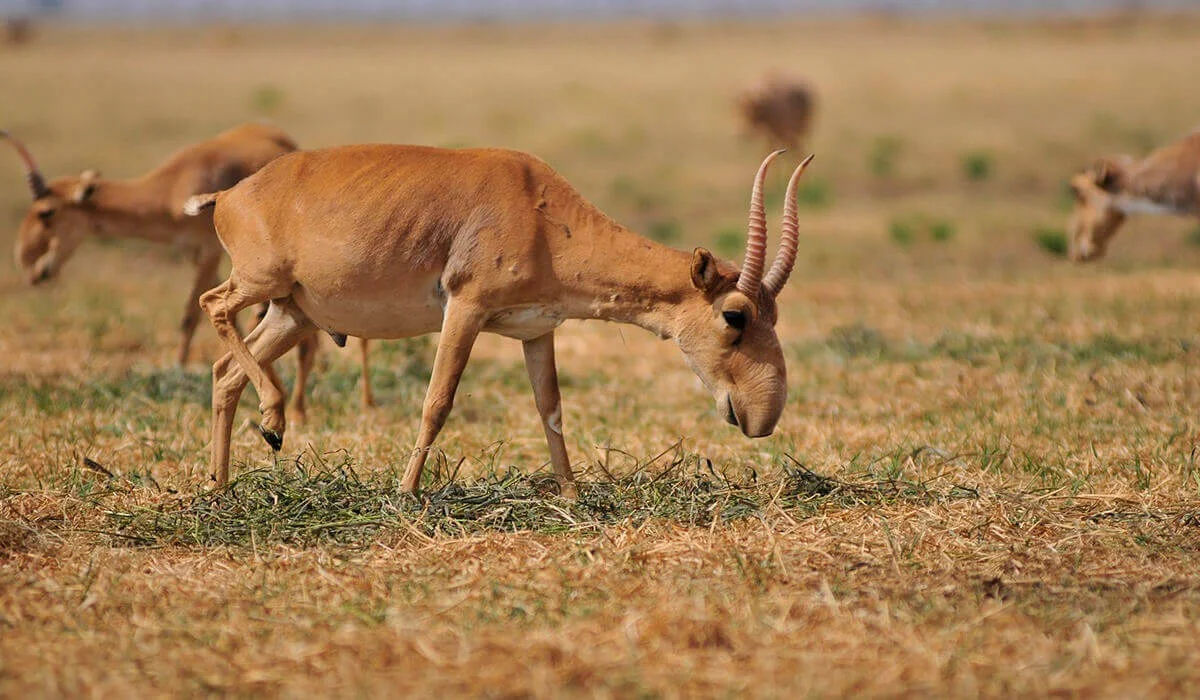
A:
[(735, 319), (45, 214)]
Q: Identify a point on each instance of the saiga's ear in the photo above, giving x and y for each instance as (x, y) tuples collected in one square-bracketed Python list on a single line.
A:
[(1108, 173), (704, 270), (86, 187)]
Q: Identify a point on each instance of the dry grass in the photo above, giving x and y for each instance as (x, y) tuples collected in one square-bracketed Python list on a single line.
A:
[(985, 482)]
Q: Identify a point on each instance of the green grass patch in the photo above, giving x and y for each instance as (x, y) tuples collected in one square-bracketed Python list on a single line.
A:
[(859, 341), (1193, 236), (902, 232), (666, 231), (942, 231), (912, 228), (884, 156), (813, 193), (630, 192), (977, 166), (1065, 199), (1052, 241), (266, 99), (309, 501), (816, 193), (729, 242), (57, 394)]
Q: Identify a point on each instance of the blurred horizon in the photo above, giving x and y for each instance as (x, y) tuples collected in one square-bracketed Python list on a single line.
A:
[(533, 10)]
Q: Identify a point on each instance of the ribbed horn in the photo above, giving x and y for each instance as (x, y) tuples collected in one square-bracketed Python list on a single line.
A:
[(37, 184), (756, 235), (785, 259)]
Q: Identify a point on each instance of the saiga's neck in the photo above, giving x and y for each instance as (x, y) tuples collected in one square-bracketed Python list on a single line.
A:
[(621, 276), (138, 208)]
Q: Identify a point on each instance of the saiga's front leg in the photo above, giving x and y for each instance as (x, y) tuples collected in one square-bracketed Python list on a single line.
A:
[(207, 262), (460, 326), (543, 375)]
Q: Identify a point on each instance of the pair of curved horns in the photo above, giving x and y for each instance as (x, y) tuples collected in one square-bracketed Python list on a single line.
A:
[(37, 183), (751, 276)]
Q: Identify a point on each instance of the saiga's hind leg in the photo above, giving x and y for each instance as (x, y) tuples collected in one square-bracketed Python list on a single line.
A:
[(306, 356), (283, 327), (222, 303), (368, 398)]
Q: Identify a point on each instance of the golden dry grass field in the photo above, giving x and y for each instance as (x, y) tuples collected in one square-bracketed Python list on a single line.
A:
[(985, 482)]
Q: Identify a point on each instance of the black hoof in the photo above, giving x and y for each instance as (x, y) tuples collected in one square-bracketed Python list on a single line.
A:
[(338, 339), (274, 439)]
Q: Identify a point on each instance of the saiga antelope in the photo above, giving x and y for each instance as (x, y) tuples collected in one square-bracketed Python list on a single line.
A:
[(394, 241), (779, 108), (66, 210), (17, 30), (1165, 182)]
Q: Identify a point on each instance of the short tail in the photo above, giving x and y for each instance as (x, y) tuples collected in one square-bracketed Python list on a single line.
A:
[(285, 142), (198, 203)]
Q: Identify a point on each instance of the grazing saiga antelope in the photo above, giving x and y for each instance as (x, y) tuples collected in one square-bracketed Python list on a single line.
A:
[(385, 241), (1165, 182), (779, 108), (17, 30), (67, 210)]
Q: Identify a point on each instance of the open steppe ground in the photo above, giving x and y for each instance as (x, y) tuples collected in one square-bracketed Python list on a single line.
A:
[(985, 481)]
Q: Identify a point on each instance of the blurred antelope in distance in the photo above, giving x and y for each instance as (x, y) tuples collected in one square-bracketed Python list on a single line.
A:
[(1165, 182), (780, 109), (66, 210), (397, 241), (17, 30)]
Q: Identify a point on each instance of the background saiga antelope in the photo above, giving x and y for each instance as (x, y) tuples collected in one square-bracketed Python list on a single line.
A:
[(397, 241), (66, 210), (16, 30), (780, 109), (1165, 182)]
